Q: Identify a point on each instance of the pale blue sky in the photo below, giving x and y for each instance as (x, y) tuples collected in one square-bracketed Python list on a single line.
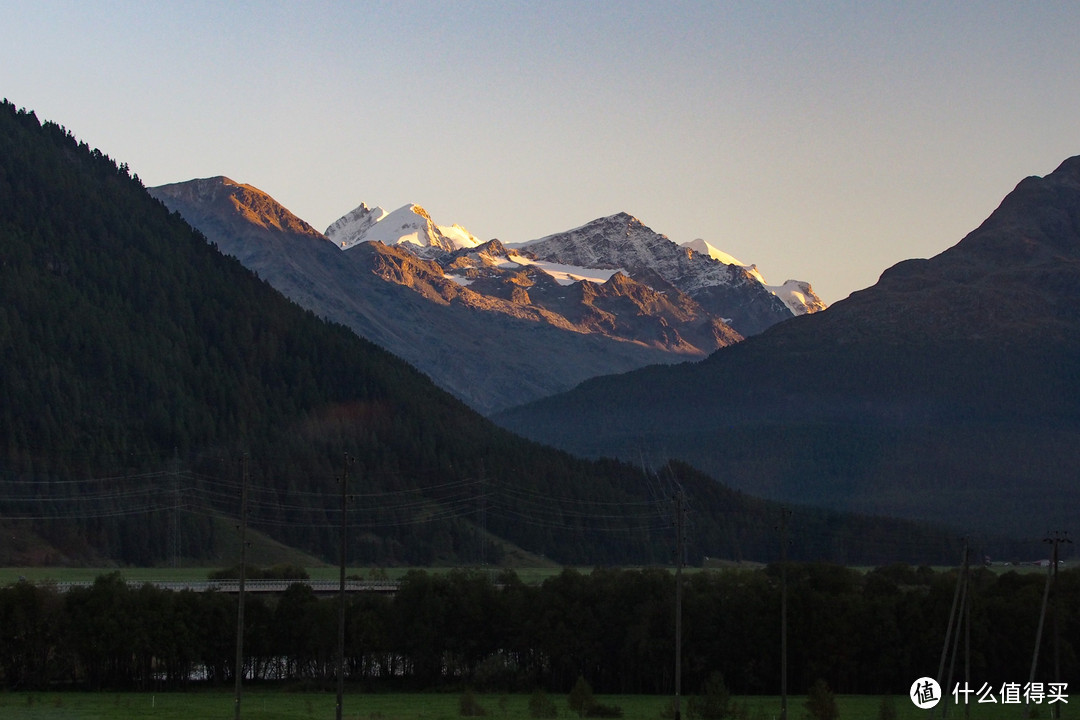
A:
[(822, 141)]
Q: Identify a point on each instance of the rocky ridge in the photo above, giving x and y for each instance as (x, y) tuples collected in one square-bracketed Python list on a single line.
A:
[(729, 291)]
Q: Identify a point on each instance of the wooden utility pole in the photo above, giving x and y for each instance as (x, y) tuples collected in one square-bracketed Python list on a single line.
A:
[(680, 551), (1056, 539), (1038, 634), (962, 619), (967, 627), (784, 514), (341, 589), (239, 669), (952, 618)]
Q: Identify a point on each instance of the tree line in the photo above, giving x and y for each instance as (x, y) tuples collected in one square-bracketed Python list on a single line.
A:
[(861, 633)]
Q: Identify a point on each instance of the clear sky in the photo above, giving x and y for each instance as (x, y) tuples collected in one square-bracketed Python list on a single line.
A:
[(824, 141)]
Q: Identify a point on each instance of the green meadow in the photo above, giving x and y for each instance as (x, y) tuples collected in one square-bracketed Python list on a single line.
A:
[(277, 704)]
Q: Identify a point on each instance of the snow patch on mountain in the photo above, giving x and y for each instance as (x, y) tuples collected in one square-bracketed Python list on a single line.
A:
[(708, 250), (494, 254), (570, 274)]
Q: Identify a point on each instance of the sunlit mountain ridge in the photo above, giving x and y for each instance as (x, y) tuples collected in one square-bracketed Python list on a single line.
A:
[(495, 325)]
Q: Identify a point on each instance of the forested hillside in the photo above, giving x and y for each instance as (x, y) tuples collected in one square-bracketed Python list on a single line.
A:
[(147, 377), (947, 392)]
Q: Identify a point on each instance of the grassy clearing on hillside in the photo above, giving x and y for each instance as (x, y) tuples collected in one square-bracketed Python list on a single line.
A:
[(264, 704)]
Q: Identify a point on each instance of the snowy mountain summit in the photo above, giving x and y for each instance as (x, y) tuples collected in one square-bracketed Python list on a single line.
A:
[(719, 283), (722, 286), (409, 225), (796, 294)]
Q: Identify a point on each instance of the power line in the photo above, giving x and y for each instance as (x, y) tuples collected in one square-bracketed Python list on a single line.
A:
[(488, 503)]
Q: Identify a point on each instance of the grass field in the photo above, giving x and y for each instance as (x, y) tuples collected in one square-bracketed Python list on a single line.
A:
[(266, 704)]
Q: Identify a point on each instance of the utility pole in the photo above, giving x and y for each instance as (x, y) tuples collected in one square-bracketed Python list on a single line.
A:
[(967, 627), (961, 619), (952, 618), (680, 551), (784, 515), (1055, 539), (341, 589), (1038, 634), (239, 669)]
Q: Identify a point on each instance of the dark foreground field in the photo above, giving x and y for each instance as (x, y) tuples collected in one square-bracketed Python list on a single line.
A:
[(261, 704)]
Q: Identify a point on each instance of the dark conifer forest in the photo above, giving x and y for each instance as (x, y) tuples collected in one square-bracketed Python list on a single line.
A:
[(146, 378), (862, 633)]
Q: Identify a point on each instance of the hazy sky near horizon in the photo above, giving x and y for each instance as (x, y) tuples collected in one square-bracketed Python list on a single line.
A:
[(823, 141)]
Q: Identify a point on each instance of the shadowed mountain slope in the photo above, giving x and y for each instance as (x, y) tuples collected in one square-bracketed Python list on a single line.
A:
[(948, 391)]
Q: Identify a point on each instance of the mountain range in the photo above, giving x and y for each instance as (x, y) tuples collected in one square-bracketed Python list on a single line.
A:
[(948, 391), (958, 364), (496, 325), (151, 382)]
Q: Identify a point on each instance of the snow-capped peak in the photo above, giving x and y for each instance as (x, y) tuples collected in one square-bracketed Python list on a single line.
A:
[(351, 227), (695, 268), (408, 224), (699, 245), (796, 294)]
